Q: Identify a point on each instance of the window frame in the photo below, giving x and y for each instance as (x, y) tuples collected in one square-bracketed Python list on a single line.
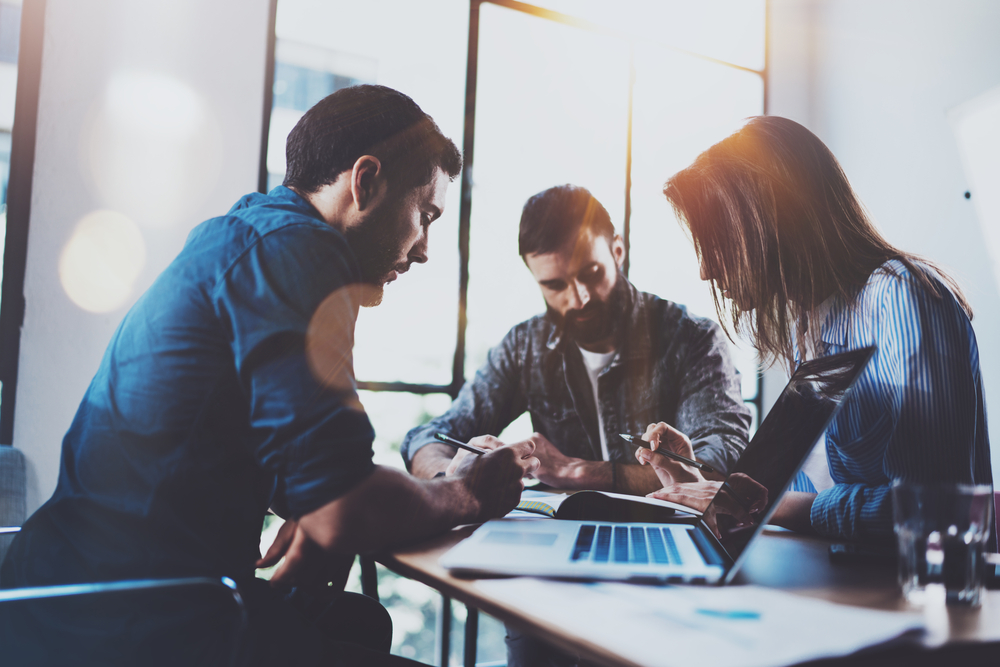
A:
[(468, 147)]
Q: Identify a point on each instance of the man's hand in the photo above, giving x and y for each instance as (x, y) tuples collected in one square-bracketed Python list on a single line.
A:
[(481, 441), (305, 562), (669, 471), (555, 468), (495, 479)]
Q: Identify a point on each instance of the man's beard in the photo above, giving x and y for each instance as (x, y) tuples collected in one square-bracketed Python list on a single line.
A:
[(607, 315), (377, 247)]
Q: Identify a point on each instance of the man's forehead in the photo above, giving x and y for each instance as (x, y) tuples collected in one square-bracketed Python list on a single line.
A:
[(575, 253), (436, 191)]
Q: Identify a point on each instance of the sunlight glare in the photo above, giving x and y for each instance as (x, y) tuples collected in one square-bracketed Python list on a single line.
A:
[(155, 149), (100, 263)]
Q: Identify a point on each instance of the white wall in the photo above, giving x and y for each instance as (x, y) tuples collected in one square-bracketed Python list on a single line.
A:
[(151, 112), (875, 80)]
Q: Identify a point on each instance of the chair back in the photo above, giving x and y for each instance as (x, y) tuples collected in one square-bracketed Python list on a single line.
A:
[(13, 493), (200, 620)]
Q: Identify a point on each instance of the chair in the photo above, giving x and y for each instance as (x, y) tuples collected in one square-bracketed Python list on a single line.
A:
[(13, 495), (15, 603), (86, 599)]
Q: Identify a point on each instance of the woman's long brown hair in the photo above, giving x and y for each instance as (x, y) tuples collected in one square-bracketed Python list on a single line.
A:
[(777, 225)]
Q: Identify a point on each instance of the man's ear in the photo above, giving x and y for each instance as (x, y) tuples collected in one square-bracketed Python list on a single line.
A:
[(365, 181), (618, 250)]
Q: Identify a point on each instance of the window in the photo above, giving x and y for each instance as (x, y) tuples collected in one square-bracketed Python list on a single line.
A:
[(303, 75), (10, 30), (612, 97)]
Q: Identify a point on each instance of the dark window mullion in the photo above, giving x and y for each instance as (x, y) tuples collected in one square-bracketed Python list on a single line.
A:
[(465, 207)]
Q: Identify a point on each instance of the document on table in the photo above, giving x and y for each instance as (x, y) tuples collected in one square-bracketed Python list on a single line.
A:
[(671, 626), (535, 504), (595, 505)]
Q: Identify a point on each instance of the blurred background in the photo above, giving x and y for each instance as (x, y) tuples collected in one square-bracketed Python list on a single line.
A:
[(125, 124)]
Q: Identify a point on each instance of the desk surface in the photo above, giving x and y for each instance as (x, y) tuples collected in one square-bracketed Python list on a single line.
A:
[(778, 559)]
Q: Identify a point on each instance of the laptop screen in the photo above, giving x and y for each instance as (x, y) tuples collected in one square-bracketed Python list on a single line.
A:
[(785, 439)]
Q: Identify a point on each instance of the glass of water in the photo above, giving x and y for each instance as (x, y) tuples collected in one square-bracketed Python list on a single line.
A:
[(942, 531)]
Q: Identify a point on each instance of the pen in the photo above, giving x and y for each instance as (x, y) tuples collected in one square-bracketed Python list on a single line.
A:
[(637, 439), (478, 451)]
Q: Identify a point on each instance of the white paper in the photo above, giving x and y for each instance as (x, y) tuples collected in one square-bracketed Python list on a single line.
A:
[(750, 626)]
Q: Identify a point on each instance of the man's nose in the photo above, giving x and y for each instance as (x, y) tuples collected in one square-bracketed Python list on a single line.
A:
[(580, 297), (418, 253)]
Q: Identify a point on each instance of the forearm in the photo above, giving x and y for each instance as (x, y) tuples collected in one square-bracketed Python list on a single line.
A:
[(389, 507), (793, 512), (619, 477), (635, 479), (431, 459), (854, 512)]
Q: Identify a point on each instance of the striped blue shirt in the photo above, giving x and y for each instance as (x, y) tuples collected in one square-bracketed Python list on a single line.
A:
[(916, 413)]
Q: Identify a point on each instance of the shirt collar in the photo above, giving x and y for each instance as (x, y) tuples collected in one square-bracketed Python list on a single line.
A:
[(286, 194), (835, 321)]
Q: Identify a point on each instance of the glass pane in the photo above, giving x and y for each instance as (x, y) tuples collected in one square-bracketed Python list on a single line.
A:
[(551, 108), (682, 105), (393, 414), (421, 51), (729, 30), (10, 34)]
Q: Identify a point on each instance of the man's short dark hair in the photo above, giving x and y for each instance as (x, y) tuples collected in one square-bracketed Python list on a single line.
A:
[(367, 120), (554, 216)]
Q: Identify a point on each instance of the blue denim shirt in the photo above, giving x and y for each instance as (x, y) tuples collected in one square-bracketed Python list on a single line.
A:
[(205, 410), (669, 366)]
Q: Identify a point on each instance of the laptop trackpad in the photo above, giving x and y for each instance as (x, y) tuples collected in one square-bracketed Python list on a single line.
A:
[(520, 538)]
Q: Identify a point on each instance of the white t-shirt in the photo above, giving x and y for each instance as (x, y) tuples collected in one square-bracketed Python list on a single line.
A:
[(595, 363)]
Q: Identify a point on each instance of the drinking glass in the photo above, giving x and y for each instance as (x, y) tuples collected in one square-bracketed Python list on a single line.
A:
[(942, 531)]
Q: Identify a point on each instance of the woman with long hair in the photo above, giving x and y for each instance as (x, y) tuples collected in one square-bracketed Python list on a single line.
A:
[(796, 264)]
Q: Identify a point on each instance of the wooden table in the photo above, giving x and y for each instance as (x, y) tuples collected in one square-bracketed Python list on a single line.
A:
[(778, 559)]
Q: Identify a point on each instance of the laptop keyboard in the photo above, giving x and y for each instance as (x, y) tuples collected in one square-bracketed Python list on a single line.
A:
[(626, 544)]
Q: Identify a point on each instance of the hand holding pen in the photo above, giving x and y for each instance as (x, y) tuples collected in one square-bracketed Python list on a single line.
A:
[(638, 441)]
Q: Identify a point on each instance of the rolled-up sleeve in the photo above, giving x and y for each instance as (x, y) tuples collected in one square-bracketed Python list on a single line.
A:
[(290, 304)]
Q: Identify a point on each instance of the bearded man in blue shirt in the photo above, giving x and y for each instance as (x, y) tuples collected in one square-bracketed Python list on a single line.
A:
[(228, 389)]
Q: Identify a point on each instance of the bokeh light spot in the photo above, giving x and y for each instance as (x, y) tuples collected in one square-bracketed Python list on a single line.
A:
[(154, 149), (100, 263)]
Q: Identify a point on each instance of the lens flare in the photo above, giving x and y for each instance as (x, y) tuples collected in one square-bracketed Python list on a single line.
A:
[(100, 263), (153, 149), (330, 341)]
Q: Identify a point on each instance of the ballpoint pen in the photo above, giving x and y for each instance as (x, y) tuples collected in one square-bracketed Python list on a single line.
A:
[(447, 439), (637, 439)]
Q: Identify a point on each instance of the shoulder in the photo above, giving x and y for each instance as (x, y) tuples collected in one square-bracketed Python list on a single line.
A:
[(897, 288), (289, 225), (531, 334), (274, 247), (285, 233), (897, 304), (670, 319)]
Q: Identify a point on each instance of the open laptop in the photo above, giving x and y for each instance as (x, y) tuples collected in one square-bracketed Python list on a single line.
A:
[(686, 549)]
